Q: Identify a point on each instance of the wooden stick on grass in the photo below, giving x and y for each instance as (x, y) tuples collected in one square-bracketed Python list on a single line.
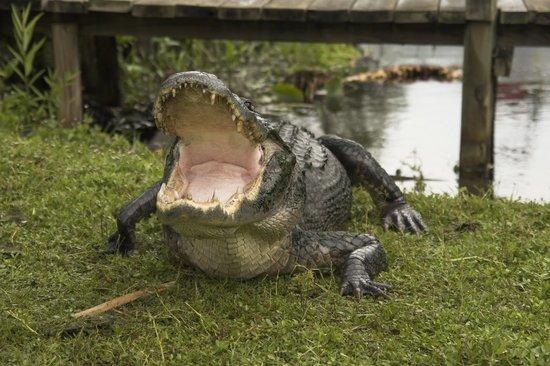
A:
[(121, 300)]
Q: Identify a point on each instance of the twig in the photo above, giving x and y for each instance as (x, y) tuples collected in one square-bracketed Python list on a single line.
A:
[(11, 313), (158, 337), (121, 300)]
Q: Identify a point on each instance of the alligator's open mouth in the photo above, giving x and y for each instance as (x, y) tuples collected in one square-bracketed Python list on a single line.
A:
[(220, 156)]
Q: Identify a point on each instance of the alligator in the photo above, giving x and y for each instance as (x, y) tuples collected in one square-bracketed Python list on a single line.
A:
[(243, 195)]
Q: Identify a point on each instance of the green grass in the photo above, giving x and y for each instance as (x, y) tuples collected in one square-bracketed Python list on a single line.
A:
[(474, 290)]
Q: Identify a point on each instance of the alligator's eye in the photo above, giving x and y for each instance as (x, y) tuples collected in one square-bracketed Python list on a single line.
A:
[(248, 104)]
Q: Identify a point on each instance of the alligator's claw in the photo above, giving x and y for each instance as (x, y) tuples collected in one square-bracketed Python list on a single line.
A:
[(403, 218), (360, 286), (117, 243)]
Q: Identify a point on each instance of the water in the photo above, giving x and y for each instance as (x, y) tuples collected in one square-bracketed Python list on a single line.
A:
[(416, 127)]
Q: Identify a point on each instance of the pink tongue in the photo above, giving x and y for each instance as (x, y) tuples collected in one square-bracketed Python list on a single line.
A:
[(220, 180)]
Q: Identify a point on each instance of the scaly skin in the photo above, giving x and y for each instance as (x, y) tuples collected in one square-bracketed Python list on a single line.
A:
[(288, 223)]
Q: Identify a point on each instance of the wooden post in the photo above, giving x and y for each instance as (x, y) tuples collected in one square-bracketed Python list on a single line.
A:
[(67, 66), (100, 73), (478, 97), (504, 56)]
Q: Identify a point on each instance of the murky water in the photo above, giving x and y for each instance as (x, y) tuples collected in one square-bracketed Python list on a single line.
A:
[(416, 127)]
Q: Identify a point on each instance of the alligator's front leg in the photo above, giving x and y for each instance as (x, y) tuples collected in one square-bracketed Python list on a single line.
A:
[(362, 255), (123, 240), (363, 169)]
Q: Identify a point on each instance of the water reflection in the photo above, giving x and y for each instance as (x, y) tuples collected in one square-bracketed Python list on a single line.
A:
[(522, 138), (418, 125), (364, 112), (406, 127)]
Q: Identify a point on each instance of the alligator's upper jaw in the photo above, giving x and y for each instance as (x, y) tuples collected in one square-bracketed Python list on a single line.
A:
[(219, 156)]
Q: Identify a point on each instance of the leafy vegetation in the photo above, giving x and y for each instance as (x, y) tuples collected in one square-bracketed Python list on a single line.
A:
[(22, 102), (474, 290), (247, 66)]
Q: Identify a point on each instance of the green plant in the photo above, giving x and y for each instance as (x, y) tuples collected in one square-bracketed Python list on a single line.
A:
[(6, 66), (24, 100), (287, 93), (25, 50), (334, 58)]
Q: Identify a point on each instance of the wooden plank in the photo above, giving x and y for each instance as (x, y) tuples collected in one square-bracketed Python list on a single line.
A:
[(176, 8), (110, 6), (452, 11), (154, 8), (124, 24), (533, 35), (329, 10), (541, 10), (241, 9), (6, 4), (372, 11), (110, 24), (67, 64), (416, 11), (513, 12), (478, 106), (198, 8), (287, 10), (481, 10), (65, 6)]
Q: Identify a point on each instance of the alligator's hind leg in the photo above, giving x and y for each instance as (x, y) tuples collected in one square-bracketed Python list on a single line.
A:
[(362, 255), (123, 240), (363, 169)]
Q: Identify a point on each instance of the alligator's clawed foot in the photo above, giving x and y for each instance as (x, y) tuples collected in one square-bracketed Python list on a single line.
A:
[(117, 243), (403, 217), (359, 286)]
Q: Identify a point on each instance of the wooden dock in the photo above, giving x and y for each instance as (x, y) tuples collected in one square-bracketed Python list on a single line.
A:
[(488, 29)]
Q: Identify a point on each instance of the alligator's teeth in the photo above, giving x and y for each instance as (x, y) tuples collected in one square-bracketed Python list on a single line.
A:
[(213, 196), (213, 99), (169, 197), (234, 195), (204, 91), (173, 93), (177, 195), (239, 126), (233, 117), (257, 134)]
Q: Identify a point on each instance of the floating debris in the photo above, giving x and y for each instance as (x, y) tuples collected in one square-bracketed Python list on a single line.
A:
[(405, 73)]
